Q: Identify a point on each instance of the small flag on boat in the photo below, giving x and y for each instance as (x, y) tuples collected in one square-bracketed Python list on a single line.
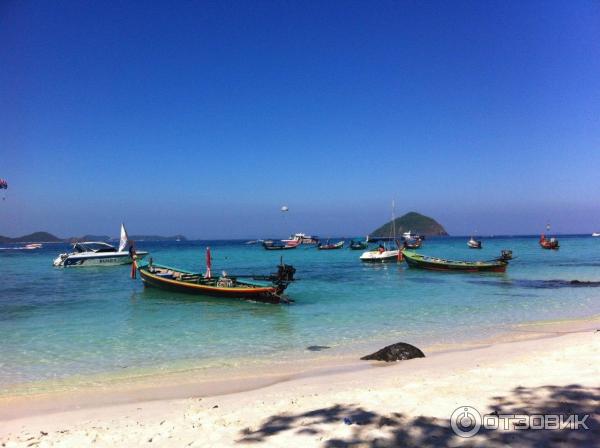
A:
[(208, 263)]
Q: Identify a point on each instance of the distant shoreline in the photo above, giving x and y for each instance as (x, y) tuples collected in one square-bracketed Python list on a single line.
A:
[(181, 238), (46, 238)]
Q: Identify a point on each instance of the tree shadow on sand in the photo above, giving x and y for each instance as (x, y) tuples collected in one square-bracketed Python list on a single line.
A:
[(370, 429)]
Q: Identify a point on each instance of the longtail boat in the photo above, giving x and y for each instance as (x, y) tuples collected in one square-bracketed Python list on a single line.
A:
[(358, 245), (328, 246), (226, 286), (278, 245), (413, 243), (548, 243), (416, 260)]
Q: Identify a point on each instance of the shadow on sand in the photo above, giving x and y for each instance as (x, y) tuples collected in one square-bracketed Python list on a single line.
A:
[(370, 429)]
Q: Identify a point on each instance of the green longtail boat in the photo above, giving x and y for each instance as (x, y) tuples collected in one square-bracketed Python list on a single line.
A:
[(421, 261)]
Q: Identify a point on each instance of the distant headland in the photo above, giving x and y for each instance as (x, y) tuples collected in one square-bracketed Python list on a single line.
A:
[(45, 237), (413, 222)]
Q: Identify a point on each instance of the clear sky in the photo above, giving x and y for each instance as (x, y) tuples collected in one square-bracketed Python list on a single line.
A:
[(204, 118)]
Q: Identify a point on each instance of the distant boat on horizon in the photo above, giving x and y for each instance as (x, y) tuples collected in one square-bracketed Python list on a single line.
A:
[(302, 238), (596, 234), (474, 244)]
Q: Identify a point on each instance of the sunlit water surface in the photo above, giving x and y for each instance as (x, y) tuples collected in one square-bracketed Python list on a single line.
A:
[(57, 323)]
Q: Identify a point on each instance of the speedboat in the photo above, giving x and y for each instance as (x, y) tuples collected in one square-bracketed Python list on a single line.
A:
[(95, 253), (474, 244), (384, 253), (33, 246), (596, 234), (98, 253), (380, 255)]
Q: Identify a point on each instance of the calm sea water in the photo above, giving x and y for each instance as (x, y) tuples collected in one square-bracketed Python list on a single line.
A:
[(56, 323)]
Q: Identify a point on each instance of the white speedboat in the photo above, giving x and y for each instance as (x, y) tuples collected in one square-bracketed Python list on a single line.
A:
[(474, 244), (596, 234), (97, 253), (383, 253), (380, 256)]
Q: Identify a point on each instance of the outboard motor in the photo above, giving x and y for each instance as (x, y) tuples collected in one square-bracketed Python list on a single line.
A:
[(285, 273)]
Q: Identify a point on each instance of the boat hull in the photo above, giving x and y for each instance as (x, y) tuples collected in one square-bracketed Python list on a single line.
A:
[(416, 244), (548, 243), (437, 264), (279, 246), (100, 259), (552, 245), (263, 294), (331, 246), (374, 256)]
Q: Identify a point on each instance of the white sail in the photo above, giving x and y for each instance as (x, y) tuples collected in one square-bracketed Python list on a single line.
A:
[(124, 239)]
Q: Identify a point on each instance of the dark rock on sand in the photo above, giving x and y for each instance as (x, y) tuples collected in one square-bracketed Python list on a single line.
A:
[(395, 352), (317, 348)]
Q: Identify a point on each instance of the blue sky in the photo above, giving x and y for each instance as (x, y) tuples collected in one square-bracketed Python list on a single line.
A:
[(204, 118)]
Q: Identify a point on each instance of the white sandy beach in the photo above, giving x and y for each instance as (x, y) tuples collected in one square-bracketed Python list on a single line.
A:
[(401, 404)]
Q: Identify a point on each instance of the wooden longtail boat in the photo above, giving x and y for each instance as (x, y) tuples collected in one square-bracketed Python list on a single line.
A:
[(278, 245), (413, 243), (338, 245), (358, 245), (179, 280), (416, 260), (551, 243)]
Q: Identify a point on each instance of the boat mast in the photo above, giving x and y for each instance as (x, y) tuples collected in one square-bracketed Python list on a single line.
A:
[(394, 220)]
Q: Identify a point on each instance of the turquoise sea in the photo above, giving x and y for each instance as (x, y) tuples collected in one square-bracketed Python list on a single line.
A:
[(60, 323)]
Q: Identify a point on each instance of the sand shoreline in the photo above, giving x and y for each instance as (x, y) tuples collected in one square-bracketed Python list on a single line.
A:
[(432, 387), (311, 410), (215, 381)]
